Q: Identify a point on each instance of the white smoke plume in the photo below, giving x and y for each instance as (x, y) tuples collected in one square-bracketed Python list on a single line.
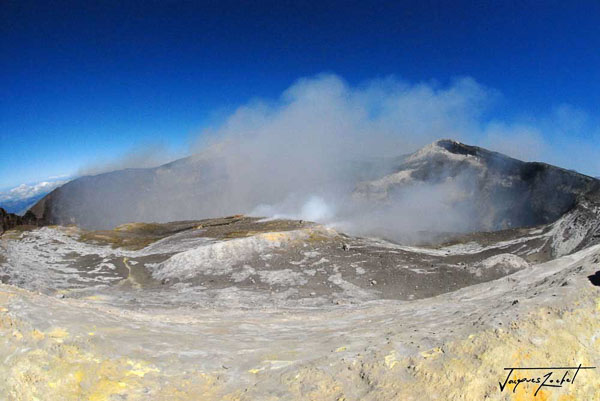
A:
[(302, 155)]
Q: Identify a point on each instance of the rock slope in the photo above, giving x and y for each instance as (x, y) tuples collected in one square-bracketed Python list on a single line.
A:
[(500, 192)]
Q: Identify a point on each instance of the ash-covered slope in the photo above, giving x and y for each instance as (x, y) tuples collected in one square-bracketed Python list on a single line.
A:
[(493, 190), (174, 191)]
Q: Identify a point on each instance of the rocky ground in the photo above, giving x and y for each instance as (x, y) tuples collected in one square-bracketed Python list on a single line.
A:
[(252, 309), (10, 220), (252, 262)]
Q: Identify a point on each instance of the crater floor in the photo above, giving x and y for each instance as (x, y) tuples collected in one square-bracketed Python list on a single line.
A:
[(246, 308)]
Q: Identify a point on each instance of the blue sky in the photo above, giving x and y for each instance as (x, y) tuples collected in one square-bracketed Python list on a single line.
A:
[(88, 82)]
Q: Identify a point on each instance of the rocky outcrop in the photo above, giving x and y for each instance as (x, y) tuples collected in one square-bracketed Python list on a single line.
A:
[(10, 220)]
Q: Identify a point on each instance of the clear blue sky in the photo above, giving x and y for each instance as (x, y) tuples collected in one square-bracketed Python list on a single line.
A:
[(87, 80)]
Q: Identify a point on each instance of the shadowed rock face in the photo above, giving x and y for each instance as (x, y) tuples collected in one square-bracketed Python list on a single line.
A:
[(100, 201), (497, 191), (10, 220), (176, 191)]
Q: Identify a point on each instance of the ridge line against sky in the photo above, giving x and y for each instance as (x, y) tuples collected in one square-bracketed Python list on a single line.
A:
[(85, 85)]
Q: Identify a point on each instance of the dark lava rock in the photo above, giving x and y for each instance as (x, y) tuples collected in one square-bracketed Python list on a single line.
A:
[(11, 220)]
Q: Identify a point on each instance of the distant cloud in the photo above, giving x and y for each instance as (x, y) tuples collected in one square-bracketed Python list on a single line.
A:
[(20, 198), (25, 191)]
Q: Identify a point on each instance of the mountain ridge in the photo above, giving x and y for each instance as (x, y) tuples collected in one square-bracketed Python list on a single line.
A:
[(504, 192)]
